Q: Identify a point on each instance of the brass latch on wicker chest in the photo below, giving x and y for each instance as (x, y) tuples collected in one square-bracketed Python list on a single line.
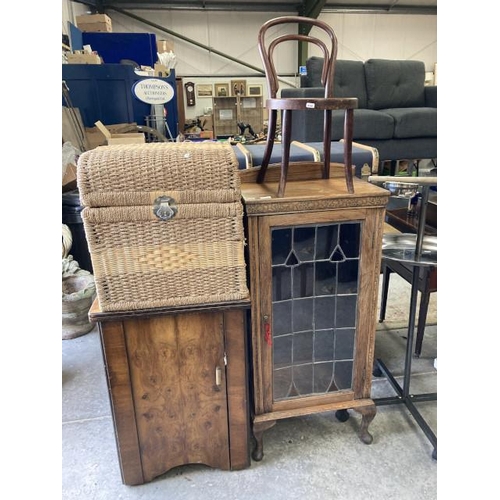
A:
[(164, 207)]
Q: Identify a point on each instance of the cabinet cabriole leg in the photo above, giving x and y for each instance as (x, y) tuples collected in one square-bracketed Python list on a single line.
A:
[(258, 431), (368, 414)]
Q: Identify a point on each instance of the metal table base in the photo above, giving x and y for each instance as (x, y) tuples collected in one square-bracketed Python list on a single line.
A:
[(403, 393)]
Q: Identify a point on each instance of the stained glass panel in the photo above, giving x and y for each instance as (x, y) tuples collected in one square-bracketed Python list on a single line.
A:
[(315, 270)]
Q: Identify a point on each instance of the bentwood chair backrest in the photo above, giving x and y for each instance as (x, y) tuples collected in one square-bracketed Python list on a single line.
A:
[(267, 46)]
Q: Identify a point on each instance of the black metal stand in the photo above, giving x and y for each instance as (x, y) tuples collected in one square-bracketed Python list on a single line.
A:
[(403, 393)]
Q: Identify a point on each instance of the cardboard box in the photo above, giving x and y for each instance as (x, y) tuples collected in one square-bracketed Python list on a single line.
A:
[(204, 135), (145, 71), (111, 139), (94, 23), (69, 178), (161, 70), (164, 46), (207, 122), (96, 138), (83, 58)]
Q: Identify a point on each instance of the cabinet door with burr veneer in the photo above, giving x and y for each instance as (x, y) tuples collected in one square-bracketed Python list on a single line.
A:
[(314, 262), (178, 389)]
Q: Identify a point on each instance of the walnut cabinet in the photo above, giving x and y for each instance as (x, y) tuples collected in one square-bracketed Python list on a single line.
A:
[(314, 263), (178, 388)]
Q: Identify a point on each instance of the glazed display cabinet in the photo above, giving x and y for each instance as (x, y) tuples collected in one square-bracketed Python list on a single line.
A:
[(228, 111), (314, 263)]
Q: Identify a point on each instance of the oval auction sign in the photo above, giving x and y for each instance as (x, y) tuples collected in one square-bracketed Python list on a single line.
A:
[(153, 91)]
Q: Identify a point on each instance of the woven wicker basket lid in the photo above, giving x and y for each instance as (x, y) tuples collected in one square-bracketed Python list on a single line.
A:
[(137, 174)]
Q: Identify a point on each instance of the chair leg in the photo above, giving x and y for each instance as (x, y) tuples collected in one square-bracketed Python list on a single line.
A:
[(422, 314), (348, 128), (327, 143), (416, 164), (286, 133), (394, 164), (271, 131), (385, 291)]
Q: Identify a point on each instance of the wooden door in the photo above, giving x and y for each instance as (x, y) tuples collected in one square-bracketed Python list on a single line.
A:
[(251, 112), (225, 112), (315, 340), (178, 383)]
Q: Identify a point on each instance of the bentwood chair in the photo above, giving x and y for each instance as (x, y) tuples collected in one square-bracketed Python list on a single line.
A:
[(287, 105)]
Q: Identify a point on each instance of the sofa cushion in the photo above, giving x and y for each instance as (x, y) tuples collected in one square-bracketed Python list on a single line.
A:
[(314, 66), (367, 124), (349, 81), (394, 84), (413, 122), (348, 78)]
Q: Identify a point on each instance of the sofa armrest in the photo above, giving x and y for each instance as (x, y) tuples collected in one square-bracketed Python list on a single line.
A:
[(430, 92)]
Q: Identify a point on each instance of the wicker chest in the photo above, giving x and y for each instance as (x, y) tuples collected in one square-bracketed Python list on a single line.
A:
[(164, 224)]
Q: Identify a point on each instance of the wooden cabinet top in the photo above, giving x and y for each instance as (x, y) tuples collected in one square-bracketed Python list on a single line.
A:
[(95, 313), (307, 191)]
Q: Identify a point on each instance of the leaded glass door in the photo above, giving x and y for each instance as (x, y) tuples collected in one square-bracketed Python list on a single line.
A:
[(316, 291), (315, 270)]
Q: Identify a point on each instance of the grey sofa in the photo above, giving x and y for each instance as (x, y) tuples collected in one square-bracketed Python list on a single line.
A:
[(397, 113)]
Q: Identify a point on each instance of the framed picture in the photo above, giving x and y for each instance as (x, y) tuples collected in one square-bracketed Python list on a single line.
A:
[(222, 90), (254, 90), (204, 90), (238, 87)]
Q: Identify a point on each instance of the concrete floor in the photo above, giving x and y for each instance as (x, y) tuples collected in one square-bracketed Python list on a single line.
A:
[(313, 457)]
